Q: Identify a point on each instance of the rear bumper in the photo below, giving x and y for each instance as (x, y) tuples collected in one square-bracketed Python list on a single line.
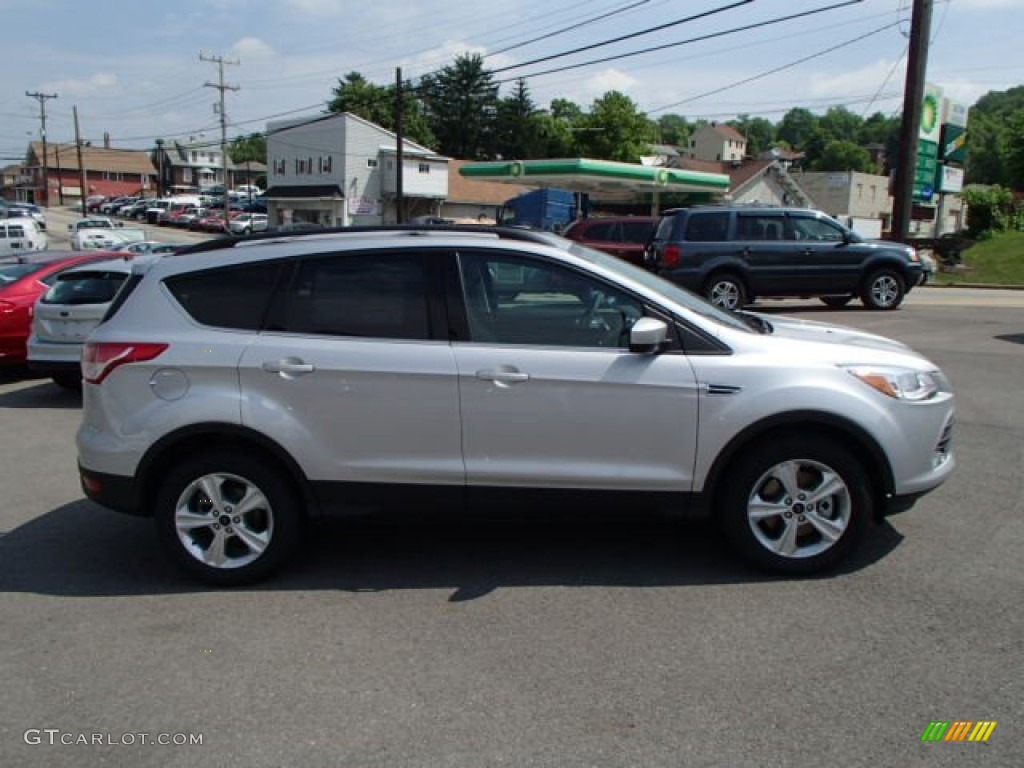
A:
[(112, 491)]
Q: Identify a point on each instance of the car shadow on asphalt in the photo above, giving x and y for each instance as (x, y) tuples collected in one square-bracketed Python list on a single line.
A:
[(35, 392), (83, 550)]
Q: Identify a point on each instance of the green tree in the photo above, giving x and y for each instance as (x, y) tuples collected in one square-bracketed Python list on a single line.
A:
[(462, 107), (377, 103), (673, 130), (797, 127), (518, 129), (1015, 150), (251, 148), (615, 129), (839, 155), (841, 124)]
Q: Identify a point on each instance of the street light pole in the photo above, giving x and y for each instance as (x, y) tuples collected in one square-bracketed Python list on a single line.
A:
[(160, 168)]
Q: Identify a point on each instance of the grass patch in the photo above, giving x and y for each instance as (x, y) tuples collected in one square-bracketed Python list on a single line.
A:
[(998, 260)]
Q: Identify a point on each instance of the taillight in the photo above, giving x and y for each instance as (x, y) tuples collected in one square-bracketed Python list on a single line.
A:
[(670, 256), (100, 358)]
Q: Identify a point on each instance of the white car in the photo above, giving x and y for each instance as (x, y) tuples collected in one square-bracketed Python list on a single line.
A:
[(246, 223), (67, 312), (246, 386)]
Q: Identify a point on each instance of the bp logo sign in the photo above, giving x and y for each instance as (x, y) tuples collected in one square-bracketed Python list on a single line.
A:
[(931, 113)]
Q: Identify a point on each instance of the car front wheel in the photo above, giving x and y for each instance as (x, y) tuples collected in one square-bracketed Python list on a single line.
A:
[(884, 289), (796, 505), (227, 518)]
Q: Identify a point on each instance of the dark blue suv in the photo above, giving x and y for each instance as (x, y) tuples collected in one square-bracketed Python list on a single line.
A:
[(732, 254)]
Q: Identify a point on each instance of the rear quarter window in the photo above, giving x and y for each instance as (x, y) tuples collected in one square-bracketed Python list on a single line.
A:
[(228, 297), (707, 226)]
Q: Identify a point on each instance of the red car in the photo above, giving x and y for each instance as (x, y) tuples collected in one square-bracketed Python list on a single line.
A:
[(24, 279)]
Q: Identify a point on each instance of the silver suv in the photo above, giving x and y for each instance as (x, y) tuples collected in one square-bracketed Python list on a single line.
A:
[(240, 388)]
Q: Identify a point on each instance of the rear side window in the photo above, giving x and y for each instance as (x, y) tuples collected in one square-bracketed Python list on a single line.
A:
[(85, 288), (364, 295), (707, 226), (228, 297), (600, 231)]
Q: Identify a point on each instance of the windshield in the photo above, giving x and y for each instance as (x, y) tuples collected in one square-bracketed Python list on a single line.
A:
[(671, 291), (85, 288)]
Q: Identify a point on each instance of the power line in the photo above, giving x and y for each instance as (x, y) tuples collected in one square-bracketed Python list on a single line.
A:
[(775, 70), (630, 36), (570, 28), (698, 39)]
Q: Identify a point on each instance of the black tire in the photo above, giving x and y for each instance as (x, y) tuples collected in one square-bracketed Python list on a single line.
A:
[(252, 544), (70, 381), (836, 302), (725, 290), (884, 289), (758, 478)]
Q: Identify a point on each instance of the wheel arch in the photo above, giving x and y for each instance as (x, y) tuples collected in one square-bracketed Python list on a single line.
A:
[(196, 438), (847, 433)]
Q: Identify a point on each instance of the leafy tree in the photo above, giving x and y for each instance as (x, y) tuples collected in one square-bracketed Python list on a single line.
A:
[(615, 130), (991, 209), (1015, 150), (841, 155), (797, 127), (841, 124), (986, 149), (673, 130), (462, 107), (251, 148), (376, 103)]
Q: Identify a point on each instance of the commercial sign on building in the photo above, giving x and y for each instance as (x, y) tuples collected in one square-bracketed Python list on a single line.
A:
[(950, 179)]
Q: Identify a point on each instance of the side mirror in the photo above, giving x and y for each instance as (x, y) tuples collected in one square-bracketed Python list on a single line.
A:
[(70, 228), (647, 335)]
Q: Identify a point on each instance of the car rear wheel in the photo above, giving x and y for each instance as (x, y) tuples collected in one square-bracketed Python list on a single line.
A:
[(884, 289), (796, 505), (726, 291), (835, 302), (228, 518)]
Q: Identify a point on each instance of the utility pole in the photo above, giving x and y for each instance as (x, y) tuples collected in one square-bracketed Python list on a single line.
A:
[(399, 156), (913, 97), (221, 86), (42, 97), (81, 165), (60, 184)]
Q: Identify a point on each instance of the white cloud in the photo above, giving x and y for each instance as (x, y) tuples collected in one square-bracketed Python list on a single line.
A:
[(859, 81), (252, 47), (609, 80), (101, 81)]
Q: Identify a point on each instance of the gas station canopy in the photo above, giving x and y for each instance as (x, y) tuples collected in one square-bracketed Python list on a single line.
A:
[(602, 179)]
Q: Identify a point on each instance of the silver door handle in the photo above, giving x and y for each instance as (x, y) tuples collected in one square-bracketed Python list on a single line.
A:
[(289, 367), (503, 377)]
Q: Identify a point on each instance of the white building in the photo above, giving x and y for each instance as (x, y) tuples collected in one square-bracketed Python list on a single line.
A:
[(341, 170)]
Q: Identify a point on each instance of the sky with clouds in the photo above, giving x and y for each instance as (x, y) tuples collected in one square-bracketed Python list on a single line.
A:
[(134, 72)]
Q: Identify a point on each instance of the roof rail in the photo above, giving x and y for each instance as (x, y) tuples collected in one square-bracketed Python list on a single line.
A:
[(505, 233)]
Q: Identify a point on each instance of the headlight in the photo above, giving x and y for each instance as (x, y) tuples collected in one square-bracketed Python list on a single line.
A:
[(900, 383)]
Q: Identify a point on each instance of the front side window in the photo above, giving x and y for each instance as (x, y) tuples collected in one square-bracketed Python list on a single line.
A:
[(808, 228), (364, 295), (760, 227), (517, 300)]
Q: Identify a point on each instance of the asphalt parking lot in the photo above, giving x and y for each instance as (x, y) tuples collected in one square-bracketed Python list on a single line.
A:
[(564, 645)]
